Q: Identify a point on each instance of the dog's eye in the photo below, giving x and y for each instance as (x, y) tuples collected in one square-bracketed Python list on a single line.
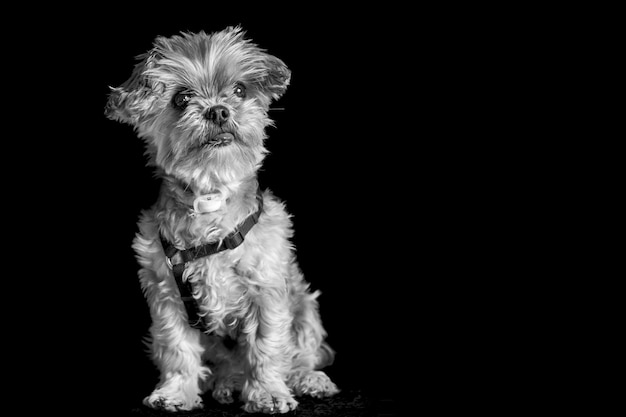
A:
[(181, 100), (240, 90)]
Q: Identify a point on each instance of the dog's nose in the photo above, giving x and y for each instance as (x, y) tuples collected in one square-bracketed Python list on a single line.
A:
[(217, 114)]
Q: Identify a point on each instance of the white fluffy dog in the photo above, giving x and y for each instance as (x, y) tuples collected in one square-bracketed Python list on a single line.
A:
[(230, 309)]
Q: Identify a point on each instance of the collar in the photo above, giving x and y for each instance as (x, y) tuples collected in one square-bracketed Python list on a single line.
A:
[(231, 241), (197, 203)]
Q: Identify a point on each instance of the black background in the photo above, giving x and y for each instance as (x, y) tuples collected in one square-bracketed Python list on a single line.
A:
[(337, 158), (351, 155), (394, 153)]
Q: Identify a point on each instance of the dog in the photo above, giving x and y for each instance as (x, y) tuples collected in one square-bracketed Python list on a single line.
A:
[(231, 311)]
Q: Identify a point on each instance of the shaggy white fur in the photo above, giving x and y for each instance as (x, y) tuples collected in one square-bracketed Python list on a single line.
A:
[(200, 102)]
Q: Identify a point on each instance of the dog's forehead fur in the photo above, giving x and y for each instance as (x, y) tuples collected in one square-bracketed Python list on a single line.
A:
[(207, 63)]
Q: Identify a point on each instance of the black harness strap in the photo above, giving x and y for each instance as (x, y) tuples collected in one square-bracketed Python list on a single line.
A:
[(233, 240)]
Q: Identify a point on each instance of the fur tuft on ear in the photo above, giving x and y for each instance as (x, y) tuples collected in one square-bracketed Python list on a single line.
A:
[(132, 100), (278, 77)]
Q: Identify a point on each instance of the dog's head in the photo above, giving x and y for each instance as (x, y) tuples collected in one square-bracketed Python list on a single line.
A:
[(200, 101)]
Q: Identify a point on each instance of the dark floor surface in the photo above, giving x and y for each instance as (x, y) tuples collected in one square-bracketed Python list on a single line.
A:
[(344, 404)]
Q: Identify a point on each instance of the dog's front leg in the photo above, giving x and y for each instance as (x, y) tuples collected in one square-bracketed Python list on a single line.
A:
[(267, 332), (177, 351), (176, 347)]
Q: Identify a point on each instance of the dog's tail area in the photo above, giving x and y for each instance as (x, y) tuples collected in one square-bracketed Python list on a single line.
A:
[(325, 356)]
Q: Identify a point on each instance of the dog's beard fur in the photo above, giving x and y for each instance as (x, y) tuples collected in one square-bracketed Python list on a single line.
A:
[(254, 293), (181, 144)]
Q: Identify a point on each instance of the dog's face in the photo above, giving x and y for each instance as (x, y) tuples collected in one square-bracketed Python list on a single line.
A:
[(200, 102)]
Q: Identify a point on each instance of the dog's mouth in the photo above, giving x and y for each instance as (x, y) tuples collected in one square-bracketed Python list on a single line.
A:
[(221, 139)]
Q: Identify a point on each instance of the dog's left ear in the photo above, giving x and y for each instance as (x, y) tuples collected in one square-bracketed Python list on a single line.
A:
[(278, 77), (133, 100)]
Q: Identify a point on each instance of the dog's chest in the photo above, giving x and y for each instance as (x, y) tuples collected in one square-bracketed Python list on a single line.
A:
[(217, 285), (219, 291)]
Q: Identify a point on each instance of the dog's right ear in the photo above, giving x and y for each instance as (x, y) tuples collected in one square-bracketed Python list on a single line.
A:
[(133, 100)]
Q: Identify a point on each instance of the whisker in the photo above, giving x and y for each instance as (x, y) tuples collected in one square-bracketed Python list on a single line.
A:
[(277, 108)]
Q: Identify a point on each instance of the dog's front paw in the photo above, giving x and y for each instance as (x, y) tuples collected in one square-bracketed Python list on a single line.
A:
[(259, 400), (316, 384), (177, 392), (161, 401)]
